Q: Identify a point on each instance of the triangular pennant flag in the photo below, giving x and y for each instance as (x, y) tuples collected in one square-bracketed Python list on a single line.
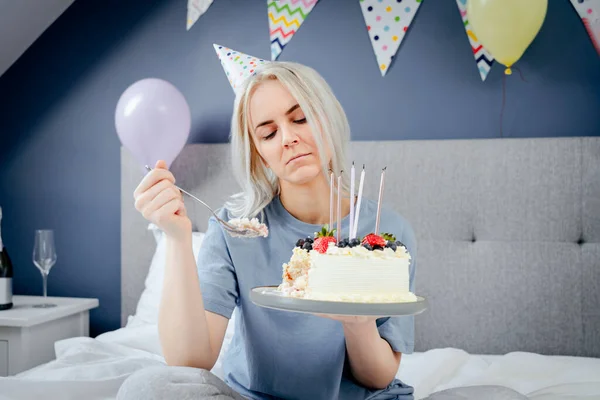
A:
[(387, 23), (285, 18), (483, 58), (589, 12), (237, 65), (195, 9)]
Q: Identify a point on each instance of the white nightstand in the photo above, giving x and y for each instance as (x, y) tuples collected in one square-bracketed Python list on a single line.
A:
[(27, 334)]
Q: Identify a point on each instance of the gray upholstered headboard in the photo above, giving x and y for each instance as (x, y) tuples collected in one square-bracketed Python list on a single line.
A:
[(508, 235)]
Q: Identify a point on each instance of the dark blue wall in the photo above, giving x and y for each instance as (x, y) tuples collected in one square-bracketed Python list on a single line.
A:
[(59, 154)]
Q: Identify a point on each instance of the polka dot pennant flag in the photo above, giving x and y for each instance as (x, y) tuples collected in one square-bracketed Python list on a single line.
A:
[(483, 58), (195, 9), (237, 65), (285, 18), (387, 23), (589, 12)]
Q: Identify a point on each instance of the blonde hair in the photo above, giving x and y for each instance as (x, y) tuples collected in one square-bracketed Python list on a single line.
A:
[(324, 114)]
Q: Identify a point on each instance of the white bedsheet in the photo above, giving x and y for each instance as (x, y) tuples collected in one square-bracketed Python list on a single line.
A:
[(95, 368)]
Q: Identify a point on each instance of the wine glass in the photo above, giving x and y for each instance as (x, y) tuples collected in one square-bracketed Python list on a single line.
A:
[(44, 257)]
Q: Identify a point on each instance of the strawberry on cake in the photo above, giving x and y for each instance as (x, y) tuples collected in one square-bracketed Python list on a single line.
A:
[(374, 269)]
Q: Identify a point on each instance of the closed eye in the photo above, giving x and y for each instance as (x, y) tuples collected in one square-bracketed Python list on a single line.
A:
[(270, 136)]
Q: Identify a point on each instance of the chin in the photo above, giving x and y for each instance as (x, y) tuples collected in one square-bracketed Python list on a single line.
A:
[(304, 174)]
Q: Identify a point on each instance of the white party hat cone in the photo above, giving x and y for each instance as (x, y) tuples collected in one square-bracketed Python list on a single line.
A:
[(237, 65)]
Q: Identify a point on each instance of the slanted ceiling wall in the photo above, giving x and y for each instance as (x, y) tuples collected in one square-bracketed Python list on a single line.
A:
[(22, 22)]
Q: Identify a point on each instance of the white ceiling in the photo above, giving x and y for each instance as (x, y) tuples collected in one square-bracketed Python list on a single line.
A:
[(22, 22)]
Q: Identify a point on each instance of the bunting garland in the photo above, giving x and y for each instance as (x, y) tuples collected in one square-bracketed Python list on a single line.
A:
[(195, 9), (285, 18), (387, 23), (589, 12), (483, 58)]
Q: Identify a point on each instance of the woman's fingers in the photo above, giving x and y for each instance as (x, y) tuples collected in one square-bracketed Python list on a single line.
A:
[(151, 179), (168, 210), (146, 197), (154, 207)]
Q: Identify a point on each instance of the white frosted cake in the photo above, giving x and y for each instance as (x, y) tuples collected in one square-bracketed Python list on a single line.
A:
[(372, 270)]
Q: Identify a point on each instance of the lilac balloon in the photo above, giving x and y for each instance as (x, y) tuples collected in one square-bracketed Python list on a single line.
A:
[(153, 121)]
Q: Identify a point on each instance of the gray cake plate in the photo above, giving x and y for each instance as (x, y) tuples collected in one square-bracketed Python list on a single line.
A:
[(270, 297)]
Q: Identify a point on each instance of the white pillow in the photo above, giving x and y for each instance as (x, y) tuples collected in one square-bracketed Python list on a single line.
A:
[(147, 307), (141, 330)]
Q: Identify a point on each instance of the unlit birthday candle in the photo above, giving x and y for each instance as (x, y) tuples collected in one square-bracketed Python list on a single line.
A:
[(339, 207), (379, 201), (331, 200), (360, 190), (351, 221)]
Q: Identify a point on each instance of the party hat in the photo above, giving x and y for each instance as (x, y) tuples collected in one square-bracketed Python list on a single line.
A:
[(237, 65)]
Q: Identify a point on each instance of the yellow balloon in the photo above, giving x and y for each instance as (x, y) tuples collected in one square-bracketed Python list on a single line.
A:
[(506, 28)]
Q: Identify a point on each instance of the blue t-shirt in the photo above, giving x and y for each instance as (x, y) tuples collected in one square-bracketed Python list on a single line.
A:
[(278, 354)]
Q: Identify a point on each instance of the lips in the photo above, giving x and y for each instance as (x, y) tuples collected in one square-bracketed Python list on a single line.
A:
[(297, 156)]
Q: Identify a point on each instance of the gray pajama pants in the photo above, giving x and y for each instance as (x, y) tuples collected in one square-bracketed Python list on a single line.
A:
[(185, 383), (175, 383)]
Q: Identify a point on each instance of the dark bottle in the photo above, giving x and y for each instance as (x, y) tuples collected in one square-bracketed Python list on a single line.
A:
[(6, 274)]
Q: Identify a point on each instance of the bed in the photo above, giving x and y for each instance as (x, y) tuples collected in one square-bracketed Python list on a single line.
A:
[(509, 258)]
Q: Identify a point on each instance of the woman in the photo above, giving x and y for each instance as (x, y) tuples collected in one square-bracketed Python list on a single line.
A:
[(288, 130)]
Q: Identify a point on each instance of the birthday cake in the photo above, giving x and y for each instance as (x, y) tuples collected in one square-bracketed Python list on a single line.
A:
[(372, 269)]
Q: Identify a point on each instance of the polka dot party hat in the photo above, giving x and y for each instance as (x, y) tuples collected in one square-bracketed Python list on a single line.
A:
[(237, 65)]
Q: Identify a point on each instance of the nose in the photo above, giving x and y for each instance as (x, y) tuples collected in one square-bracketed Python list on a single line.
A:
[(288, 136)]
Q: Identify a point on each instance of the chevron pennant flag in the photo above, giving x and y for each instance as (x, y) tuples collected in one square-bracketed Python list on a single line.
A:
[(237, 65), (483, 58), (285, 18), (589, 12), (195, 9), (387, 23)]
